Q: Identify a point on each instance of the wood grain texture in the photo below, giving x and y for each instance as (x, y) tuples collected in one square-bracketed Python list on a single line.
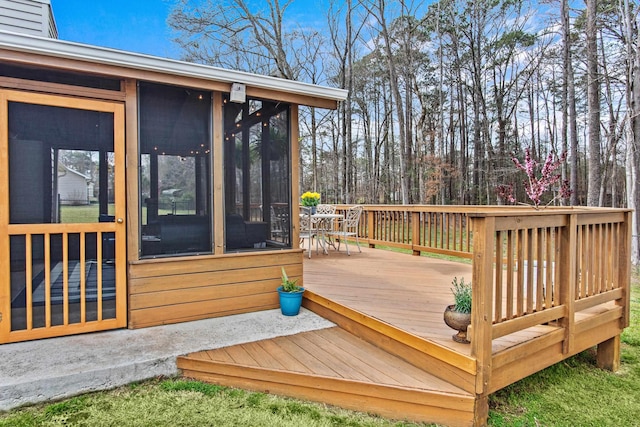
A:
[(333, 366), (64, 325)]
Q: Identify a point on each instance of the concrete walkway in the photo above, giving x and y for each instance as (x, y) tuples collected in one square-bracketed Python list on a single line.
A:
[(51, 369)]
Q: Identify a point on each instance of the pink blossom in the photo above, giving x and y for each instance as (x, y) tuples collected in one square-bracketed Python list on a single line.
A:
[(538, 180)]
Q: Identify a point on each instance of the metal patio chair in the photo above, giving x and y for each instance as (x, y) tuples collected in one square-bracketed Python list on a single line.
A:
[(348, 227)]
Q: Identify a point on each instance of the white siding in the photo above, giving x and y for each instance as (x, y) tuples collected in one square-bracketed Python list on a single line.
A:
[(33, 17), (72, 187)]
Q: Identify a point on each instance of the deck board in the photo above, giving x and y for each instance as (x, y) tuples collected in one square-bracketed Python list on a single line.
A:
[(332, 353), (333, 366), (288, 360), (391, 352), (415, 290)]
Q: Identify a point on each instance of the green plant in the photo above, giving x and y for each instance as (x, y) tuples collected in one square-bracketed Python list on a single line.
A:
[(461, 295), (310, 198), (289, 285)]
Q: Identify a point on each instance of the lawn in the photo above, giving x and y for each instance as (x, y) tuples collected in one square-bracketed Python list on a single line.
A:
[(571, 393), (90, 213)]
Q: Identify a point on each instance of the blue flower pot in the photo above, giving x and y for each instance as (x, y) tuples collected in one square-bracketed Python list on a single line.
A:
[(290, 302)]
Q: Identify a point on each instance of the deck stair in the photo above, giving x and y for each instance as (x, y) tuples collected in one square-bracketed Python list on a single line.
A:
[(335, 367), (363, 363)]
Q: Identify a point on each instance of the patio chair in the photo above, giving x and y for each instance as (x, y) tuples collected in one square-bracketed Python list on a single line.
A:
[(279, 223), (348, 227), (325, 209), (307, 231), (323, 225)]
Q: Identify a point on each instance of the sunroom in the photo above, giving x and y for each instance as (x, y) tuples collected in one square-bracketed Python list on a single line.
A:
[(191, 186)]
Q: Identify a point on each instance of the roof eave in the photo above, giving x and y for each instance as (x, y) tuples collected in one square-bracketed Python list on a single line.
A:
[(77, 51)]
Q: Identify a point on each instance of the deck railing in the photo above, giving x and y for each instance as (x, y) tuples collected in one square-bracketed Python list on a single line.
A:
[(419, 228), (543, 267), (530, 267)]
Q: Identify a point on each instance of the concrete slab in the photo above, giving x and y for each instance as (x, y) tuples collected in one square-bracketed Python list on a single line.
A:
[(56, 368)]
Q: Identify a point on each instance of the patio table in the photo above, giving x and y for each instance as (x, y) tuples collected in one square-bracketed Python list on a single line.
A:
[(324, 224)]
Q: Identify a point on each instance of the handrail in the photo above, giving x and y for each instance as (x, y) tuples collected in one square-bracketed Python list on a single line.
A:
[(530, 267), (418, 228), (546, 266)]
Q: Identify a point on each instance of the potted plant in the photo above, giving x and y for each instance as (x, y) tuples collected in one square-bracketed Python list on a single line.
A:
[(290, 295), (458, 315), (311, 200)]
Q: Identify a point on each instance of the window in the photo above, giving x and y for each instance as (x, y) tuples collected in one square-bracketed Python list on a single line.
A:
[(175, 170), (257, 175)]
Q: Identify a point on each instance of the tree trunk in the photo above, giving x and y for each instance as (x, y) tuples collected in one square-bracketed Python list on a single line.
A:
[(397, 100), (569, 125), (633, 125), (593, 103)]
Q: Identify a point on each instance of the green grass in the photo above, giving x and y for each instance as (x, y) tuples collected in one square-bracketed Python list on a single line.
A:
[(176, 402), (424, 254), (90, 213), (79, 214), (575, 392), (571, 393)]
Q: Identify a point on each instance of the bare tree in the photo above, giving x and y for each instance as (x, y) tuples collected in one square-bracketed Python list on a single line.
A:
[(377, 9), (466, 84), (593, 101), (569, 130), (631, 19), (229, 33)]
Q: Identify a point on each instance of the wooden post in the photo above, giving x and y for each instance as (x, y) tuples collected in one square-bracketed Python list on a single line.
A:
[(482, 306), (371, 216), (567, 279), (608, 354), (415, 232), (295, 175), (624, 267), (132, 172), (481, 411), (218, 174), (5, 271)]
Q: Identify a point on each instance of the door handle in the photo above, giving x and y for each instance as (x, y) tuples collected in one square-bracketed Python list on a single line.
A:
[(120, 220)]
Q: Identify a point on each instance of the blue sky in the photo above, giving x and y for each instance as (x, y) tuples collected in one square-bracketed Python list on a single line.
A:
[(140, 25), (132, 25)]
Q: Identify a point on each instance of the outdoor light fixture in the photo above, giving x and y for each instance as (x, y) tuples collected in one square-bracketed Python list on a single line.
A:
[(238, 93)]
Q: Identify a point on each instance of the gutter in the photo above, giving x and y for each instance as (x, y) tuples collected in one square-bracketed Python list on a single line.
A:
[(101, 55)]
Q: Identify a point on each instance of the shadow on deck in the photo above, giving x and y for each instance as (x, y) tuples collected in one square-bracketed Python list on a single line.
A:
[(390, 352)]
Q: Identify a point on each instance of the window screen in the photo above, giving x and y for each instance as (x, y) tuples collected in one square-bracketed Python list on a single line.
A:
[(175, 170), (257, 175)]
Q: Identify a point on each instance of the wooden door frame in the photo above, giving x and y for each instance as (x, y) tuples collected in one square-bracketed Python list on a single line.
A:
[(118, 227)]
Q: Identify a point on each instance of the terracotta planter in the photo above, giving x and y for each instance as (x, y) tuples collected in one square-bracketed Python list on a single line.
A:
[(459, 322)]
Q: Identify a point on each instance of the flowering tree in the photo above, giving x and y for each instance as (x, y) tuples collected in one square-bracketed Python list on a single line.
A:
[(539, 180)]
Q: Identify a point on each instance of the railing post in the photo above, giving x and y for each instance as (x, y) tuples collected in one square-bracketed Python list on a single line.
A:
[(568, 265), (482, 305), (371, 223), (624, 267), (415, 232)]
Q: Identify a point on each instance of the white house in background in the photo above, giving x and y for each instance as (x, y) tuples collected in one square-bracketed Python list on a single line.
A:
[(33, 17), (73, 187)]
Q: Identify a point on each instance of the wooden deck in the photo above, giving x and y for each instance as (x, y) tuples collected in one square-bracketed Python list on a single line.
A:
[(335, 367), (391, 352), (407, 292)]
